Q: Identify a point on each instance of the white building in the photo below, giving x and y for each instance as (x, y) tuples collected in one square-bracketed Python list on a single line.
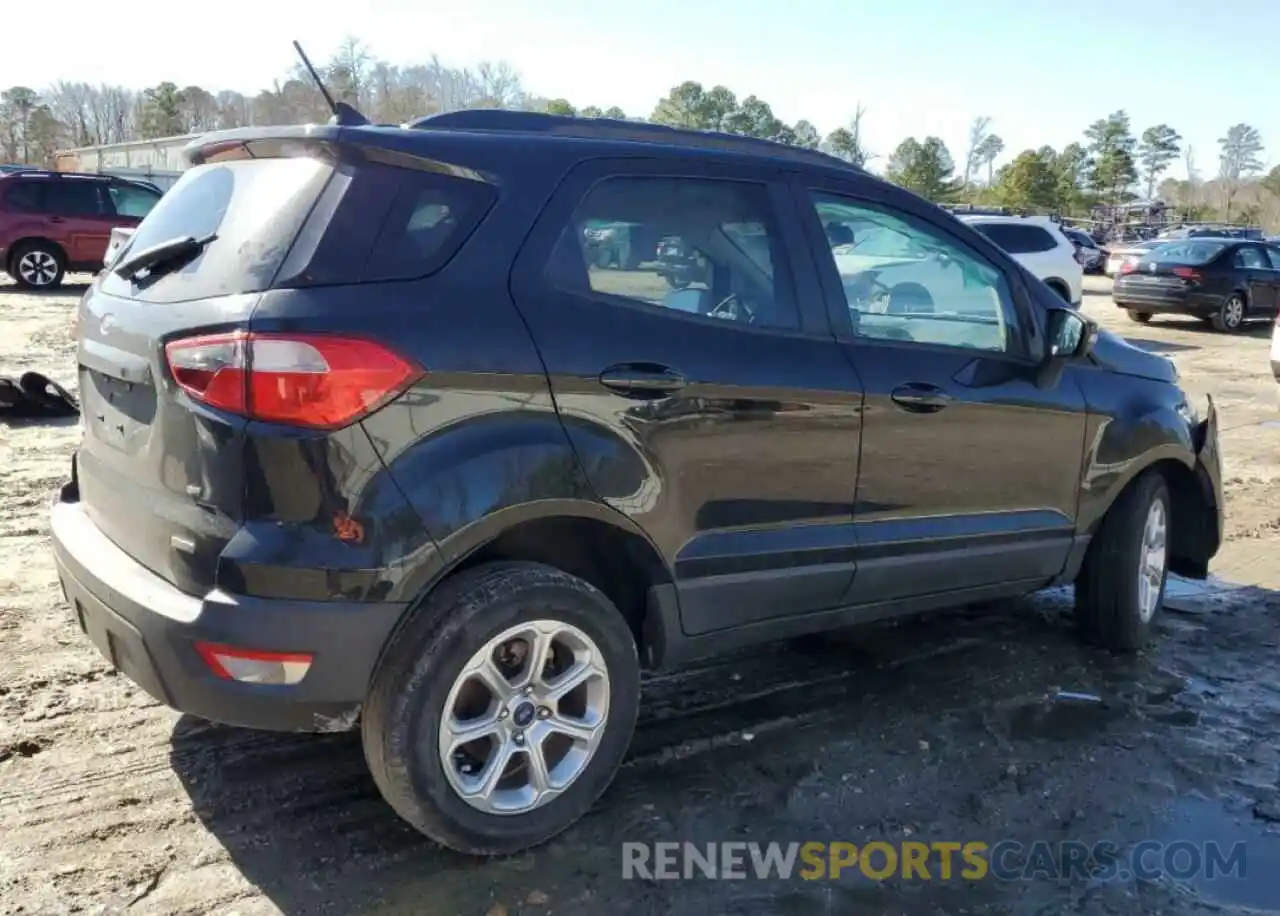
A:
[(159, 161)]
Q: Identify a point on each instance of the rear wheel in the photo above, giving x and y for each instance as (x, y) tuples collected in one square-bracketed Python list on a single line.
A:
[(37, 265), (1140, 317), (503, 709), (1230, 315), (1120, 589)]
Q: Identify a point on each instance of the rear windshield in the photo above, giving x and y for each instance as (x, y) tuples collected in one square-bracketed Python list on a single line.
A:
[(303, 221), (1018, 238), (1192, 251)]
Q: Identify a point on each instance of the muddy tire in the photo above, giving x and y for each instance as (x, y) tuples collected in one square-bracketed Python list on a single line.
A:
[(1230, 315), (1140, 317), (414, 720), (1120, 589), (37, 265)]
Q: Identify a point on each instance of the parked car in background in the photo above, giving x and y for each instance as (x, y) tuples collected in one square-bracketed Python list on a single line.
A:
[(409, 462), (1090, 254), (1119, 255), (1039, 245), (1225, 282), (54, 222)]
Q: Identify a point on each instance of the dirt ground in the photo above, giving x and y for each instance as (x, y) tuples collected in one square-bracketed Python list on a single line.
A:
[(945, 729)]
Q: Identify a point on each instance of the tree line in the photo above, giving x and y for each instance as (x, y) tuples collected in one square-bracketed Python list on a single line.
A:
[(1110, 163)]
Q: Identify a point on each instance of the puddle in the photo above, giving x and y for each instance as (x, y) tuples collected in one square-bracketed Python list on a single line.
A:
[(1226, 858)]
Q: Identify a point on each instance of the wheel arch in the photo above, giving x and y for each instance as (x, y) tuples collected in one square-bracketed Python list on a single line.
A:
[(584, 538), (1059, 286)]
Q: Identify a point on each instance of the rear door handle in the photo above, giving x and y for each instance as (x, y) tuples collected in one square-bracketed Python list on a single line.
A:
[(917, 397), (642, 380)]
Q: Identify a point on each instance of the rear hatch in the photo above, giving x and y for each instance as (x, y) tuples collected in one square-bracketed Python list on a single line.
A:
[(158, 474), (185, 397)]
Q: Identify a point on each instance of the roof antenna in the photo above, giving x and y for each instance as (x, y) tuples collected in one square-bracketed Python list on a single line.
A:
[(344, 115)]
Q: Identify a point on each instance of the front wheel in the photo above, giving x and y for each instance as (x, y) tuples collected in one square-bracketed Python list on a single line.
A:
[(1230, 315), (1140, 317), (503, 709), (1120, 589)]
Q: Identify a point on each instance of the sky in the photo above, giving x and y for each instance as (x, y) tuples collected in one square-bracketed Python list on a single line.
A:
[(1042, 70)]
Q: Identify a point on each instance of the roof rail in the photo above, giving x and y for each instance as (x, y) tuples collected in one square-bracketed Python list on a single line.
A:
[(503, 120)]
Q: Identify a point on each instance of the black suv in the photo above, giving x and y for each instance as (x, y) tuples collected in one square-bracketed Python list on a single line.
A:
[(368, 439)]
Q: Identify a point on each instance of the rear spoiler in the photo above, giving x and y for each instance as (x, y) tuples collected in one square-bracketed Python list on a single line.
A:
[(201, 149)]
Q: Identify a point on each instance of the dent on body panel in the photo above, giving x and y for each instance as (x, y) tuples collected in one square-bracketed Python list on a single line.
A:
[(714, 456), (325, 519), (1132, 424), (462, 447)]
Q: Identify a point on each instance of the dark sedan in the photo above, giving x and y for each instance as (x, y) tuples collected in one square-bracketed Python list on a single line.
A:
[(1226, 282)]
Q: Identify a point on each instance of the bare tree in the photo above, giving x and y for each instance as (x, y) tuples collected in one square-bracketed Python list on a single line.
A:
[(979, 130)]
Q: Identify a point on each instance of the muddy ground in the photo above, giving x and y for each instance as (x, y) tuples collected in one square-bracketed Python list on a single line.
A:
[(943, 729)]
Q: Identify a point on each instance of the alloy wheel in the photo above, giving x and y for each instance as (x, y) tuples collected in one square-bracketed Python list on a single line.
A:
[(1151, 560), (524, 718), (37, 268)]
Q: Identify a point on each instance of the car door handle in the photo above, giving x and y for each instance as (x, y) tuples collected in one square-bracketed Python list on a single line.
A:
[(917, 397), (642, 380)]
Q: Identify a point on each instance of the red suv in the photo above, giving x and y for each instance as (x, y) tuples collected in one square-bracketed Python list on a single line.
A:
[(54, 222)]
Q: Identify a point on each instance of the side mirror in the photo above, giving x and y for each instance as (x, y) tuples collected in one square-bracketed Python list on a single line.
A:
[(1070, 335)]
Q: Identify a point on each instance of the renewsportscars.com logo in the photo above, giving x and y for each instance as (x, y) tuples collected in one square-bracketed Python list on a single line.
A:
[(1007, 860)]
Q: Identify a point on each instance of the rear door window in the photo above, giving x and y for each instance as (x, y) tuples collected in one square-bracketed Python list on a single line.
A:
[(1018, 238), (70, 197), (1251, 258), (1273, 255)]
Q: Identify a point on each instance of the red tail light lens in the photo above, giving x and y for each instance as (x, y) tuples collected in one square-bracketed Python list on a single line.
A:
[(1128, 267), (1187, 273), (310, 380)]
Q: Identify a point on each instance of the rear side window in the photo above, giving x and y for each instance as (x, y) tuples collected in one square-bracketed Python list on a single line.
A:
[(1273, 255), (25, 196), (1018, 238)]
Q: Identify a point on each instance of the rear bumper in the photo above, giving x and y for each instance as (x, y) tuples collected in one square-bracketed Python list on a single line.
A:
[(1170, 301), (147, 629)]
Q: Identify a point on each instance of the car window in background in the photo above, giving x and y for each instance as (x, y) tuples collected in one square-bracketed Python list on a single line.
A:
[(132, 202), (1249, 257), (26, 196), (74, 198), (1192, 251), (1018, 238)]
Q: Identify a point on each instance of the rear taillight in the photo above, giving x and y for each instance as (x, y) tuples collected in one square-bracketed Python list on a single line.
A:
[(1128, 266), (310, 380), (1187, 273)]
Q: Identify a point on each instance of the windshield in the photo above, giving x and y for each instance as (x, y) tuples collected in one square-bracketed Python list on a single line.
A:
[(1192, 251)]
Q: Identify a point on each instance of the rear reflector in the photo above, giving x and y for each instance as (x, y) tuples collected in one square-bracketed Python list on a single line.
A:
[(311, 380), (249, 666)]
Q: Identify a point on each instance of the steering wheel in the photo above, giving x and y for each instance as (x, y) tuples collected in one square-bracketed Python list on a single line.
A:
[(731, 308)]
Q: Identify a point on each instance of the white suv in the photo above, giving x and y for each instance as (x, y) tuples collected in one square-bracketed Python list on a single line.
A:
[(1040, 246)]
